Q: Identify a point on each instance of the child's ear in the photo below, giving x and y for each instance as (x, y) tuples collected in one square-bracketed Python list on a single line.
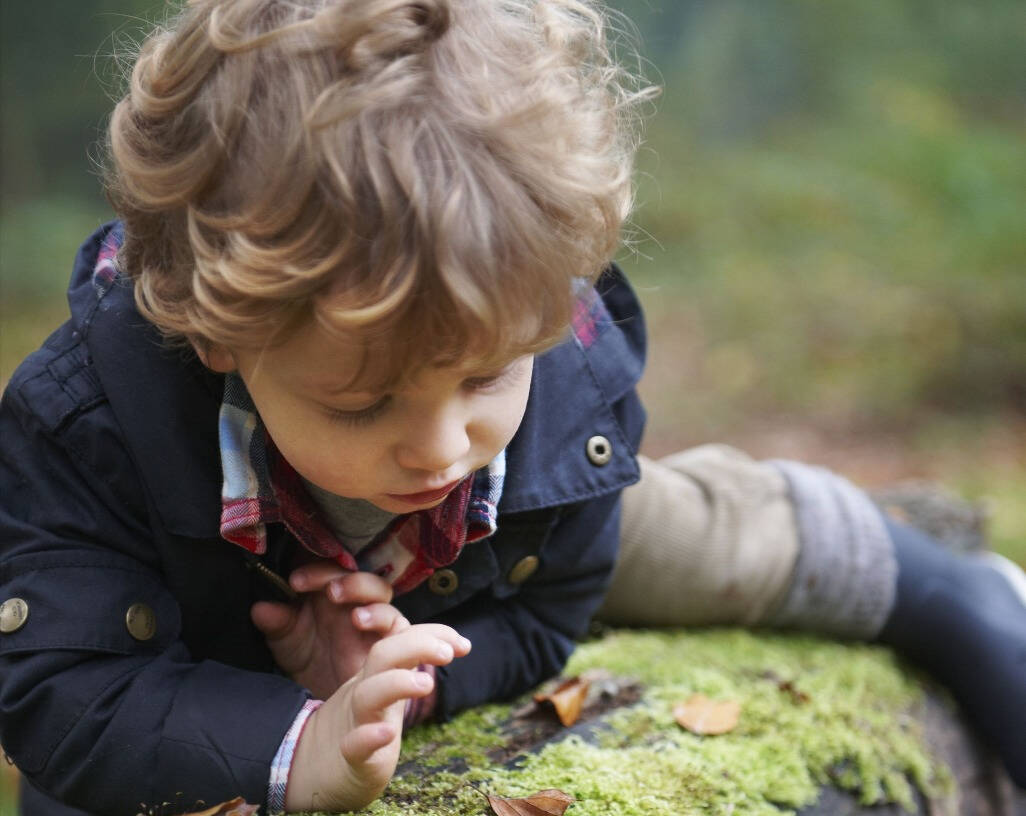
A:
[(216, 358)]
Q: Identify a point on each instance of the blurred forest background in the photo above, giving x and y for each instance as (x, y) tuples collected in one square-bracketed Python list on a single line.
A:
[(830, 237)]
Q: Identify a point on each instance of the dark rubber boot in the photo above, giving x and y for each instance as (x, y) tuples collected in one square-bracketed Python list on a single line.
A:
[(963, 618)]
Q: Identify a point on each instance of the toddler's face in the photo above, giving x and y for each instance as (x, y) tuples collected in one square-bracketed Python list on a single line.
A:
[(403, 450)]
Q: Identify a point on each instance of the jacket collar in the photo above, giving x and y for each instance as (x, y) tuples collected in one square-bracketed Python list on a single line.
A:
[(582, 389), (167, 404), (548, 462)]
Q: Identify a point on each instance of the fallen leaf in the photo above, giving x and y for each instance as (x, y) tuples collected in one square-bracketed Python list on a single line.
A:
[(549, 802), (798, 697), (233, 807), (700, 715), (567, 698)]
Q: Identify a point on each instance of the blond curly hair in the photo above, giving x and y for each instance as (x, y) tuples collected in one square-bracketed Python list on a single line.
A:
[(431, 176)]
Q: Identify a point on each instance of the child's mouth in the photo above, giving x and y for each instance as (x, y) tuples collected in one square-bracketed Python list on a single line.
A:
[(427, 496)]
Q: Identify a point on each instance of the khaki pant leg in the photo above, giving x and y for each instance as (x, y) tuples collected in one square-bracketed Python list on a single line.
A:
[(708, 536)]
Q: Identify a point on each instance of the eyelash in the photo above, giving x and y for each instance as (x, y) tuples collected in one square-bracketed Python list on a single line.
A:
[(365, 416), (484, 383)]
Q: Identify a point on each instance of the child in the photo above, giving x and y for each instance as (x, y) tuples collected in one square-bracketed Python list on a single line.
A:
[(346, 229), (324, 351)]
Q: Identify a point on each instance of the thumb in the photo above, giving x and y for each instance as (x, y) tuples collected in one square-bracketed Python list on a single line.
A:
[(275, 620)]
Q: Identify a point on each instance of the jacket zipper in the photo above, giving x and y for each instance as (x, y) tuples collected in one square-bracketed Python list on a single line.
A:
[(272, 577)]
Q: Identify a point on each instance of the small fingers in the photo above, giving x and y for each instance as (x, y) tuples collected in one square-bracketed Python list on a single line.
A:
[(360, 588), (432, 643), (374, 694), (358, 745), (380, 618), (315, 576), (341, 585)]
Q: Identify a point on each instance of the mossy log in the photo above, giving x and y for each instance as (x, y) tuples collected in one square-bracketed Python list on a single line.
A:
[(826, 729)]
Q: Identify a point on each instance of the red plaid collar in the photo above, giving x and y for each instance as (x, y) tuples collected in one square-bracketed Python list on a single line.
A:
[(261, 487), (405, 553)]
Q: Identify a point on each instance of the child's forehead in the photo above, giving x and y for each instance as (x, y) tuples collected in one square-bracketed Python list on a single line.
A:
[(318, 359)]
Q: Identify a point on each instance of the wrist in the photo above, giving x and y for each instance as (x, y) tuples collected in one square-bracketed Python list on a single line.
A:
[(307, 771), (322, 777), (281, 765)]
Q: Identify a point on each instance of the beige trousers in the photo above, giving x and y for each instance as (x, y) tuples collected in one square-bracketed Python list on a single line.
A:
[(708, 536)]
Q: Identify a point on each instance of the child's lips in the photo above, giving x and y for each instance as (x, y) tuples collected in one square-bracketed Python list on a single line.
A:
[(426, 496)]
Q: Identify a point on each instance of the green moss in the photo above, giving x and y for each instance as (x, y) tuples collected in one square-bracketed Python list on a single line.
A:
[(845, 722)]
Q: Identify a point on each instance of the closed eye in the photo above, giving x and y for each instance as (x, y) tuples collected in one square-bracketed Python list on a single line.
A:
[(494, 382), (361, 416)]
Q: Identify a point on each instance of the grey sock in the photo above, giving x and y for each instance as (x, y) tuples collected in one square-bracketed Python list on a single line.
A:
[(845, 576)]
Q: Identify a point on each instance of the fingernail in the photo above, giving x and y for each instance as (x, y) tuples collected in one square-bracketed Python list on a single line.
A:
[(464, 643), (423, 680), (335, 590), (363, 616), (445, 651)]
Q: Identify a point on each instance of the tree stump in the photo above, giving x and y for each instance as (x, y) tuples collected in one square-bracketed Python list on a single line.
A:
[(826, 729)]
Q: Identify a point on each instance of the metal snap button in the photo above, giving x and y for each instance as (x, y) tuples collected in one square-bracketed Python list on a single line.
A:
[(600, 450), (523, 569), (141, 621), (13, 614), (443, 582)]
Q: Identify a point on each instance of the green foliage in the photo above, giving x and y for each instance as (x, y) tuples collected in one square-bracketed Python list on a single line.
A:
[(8, 789), (40, 237), (839, 190), (59, 72)]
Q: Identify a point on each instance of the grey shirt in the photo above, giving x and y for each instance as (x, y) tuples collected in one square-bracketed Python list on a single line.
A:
[(354, 521)]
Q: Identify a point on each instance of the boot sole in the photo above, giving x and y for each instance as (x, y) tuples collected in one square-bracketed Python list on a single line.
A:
[(1011, 571)]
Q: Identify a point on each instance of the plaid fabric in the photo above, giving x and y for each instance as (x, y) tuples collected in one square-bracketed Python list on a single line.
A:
[(260, 487), (106, 270), (590, 316), (283, 759)]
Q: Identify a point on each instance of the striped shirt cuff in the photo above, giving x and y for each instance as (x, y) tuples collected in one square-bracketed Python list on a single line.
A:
[(282, 761), (419, 709)]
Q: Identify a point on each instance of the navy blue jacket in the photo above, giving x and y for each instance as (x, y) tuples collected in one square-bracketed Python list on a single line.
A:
[(110, 483)]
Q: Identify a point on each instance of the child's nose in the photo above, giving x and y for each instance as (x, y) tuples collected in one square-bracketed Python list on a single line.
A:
[(435, 444)]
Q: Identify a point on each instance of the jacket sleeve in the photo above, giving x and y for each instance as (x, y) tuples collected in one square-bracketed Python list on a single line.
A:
[(90, 714), (525, 638)]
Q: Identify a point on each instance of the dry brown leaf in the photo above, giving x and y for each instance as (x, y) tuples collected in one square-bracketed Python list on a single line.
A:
[(549, 802), (798, 697), (700, 715), (567, 698), (233, 807)]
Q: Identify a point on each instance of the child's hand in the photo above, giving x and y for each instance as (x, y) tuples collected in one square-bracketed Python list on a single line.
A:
[(348, 750), (325, 640)]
